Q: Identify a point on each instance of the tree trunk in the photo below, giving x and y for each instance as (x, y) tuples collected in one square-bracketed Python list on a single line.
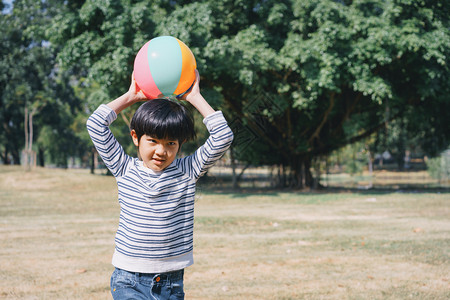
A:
[(41, 157), (25, 152), (370, 162), (16, 156), (25, 127), (316, 180), (301, 176), (282, 178), (12, 146), (5, 157), (309, 179), (234, 178), (30, 143), (29, 155), (93, 160), (400, 158)]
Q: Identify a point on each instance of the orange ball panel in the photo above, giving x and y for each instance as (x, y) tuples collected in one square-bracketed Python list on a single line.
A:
[(188, 69)]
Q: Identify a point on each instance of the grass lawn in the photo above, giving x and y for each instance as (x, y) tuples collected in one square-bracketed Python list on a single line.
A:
[(57, 238)]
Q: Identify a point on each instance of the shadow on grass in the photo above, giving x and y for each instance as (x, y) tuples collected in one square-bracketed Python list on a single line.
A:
[(206, 188)]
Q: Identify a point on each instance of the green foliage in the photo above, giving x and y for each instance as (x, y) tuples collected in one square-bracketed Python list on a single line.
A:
[(299, 78), (347, 69), (99, 39), (355, 158), (30, 82), (439, 167)]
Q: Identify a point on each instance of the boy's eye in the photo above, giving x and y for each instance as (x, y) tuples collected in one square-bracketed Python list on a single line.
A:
[(172, 143)]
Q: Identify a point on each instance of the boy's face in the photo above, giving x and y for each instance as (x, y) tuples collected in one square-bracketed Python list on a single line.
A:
[(156, 154)]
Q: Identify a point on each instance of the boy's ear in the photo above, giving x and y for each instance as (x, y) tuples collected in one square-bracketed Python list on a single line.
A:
[(134, 137)]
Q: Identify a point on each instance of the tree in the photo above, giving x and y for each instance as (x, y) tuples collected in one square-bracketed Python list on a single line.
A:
[(297, 78), (34, 93), (97, 43), (23, 62), (342, 71)]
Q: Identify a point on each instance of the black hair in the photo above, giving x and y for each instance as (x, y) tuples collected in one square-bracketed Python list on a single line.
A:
[(164, 119)]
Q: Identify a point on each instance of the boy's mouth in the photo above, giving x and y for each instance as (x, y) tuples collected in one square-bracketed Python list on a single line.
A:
[(158, 161)]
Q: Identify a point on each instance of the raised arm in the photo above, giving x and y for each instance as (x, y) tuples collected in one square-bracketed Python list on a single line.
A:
[(132, 96), (220, 137), (98, 123), (196, 99)]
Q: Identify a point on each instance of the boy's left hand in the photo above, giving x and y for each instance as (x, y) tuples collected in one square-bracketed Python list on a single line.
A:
[(195, 90), (196, 99)]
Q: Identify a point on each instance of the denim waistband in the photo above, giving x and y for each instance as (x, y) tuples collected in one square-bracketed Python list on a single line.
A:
[(157, 277)]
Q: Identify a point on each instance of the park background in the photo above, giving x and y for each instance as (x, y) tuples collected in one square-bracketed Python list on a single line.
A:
[(335, 187)]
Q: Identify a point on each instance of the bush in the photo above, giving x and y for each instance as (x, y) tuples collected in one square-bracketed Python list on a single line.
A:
[(439, 167)]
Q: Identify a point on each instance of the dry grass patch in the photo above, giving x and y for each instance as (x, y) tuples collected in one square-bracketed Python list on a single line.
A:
[(321, 246), (57, 238)]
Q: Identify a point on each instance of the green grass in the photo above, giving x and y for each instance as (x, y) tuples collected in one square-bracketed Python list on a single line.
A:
[(57, 238)]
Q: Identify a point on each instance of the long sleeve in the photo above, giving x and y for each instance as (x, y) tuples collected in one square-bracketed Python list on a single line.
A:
[(104, 141), (215, 146)]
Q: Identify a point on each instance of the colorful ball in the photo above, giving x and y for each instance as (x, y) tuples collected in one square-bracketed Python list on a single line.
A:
[(164, 67)]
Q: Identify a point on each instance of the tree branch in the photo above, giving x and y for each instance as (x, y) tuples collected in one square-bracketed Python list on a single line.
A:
[(125, 119), (255, 127), (325, 149), (348, 111), (324, 119)]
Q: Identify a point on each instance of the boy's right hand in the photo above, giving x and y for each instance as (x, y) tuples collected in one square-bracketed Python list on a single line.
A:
[(132, 96), (135, 92)]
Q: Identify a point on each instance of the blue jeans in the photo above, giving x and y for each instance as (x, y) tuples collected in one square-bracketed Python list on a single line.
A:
[(131, 285)]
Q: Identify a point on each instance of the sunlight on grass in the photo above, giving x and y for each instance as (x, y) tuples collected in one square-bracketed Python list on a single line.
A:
[(57, 239)]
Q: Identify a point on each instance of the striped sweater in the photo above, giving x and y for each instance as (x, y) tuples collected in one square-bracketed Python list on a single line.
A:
[(155, 232)]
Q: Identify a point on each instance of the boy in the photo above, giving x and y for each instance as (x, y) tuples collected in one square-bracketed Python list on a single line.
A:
[(154, 240)]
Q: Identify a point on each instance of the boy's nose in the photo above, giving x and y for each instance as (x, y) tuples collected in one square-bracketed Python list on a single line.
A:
[(160, 150)]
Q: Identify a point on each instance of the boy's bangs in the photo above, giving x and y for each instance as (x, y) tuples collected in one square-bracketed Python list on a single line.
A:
[(169, 126), (164, 119)]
